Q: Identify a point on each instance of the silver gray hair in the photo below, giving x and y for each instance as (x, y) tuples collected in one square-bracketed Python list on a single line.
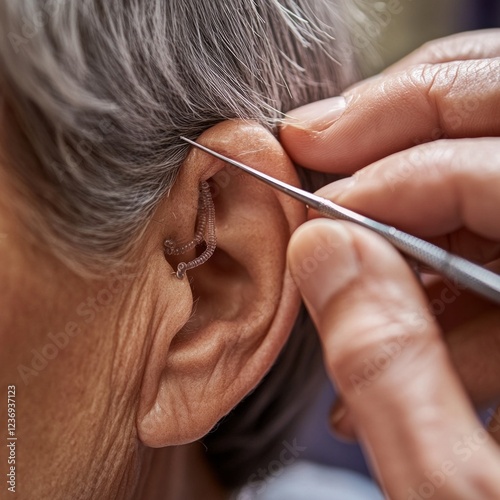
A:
[(98, 92)]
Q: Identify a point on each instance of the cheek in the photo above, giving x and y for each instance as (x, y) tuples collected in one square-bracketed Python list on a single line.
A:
[(41, 339), (58, 360), (27, 296), (21, 309)]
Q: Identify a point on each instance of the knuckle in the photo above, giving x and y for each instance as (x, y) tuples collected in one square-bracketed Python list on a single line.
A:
[(435, 80), (455, 91)]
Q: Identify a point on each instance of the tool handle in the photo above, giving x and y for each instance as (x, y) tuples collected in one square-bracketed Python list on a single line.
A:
[(459, 270)]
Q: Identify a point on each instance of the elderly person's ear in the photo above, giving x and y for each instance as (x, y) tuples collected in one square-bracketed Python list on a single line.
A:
[(225, 322)]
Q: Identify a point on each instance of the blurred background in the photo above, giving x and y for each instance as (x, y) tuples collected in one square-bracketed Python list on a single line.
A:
[(396, 27)]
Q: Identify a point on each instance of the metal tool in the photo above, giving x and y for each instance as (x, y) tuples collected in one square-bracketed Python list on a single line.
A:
[(461, 271)]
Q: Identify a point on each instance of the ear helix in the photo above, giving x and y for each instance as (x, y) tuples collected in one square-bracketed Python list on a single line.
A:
[(205, 232)]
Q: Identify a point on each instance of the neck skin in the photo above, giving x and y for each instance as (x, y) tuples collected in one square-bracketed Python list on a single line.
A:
[(178, 472), (172, 473)]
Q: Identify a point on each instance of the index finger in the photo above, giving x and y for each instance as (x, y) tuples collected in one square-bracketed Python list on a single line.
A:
[(478, 44), (395, 112)]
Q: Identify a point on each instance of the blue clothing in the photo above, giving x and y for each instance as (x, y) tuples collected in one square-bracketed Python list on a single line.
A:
[(322, 446), (307, 480)]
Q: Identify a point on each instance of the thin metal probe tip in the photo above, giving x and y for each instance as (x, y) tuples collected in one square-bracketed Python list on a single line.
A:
[(236, 163), (310, 199)]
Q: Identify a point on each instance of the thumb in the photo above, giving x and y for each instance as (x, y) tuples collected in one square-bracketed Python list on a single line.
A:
[(384, 352)]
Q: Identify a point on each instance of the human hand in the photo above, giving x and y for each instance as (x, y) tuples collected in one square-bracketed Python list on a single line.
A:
[(428, 129)]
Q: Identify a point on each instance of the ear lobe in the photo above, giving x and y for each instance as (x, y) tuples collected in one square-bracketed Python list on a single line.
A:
[(245, 303)]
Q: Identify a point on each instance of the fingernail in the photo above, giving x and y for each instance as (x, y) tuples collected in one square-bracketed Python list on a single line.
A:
[(335, 189), (323, 261), (318, 115)]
